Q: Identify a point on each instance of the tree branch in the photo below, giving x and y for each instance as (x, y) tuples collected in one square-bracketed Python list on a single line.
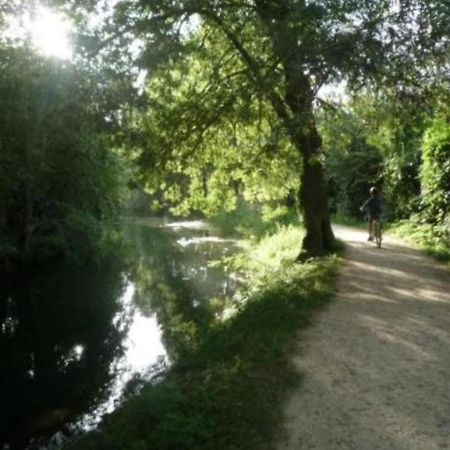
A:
[(259, 80)]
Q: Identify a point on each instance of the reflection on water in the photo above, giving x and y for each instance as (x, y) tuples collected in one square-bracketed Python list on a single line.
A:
[(143, 357), (75, 341), (143, 330), (174, 281), (57, 341)]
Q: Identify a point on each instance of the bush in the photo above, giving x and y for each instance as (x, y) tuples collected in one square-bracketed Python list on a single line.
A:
[(435, 172), (433, 239)]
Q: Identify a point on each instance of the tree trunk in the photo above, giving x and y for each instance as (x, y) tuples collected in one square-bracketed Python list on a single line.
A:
[(313, 196), (319, 237)]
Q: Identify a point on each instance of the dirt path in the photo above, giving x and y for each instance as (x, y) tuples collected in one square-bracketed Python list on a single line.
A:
[(376, 364)]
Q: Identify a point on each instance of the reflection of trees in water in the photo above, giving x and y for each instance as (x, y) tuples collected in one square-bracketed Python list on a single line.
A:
[(59, 335), (175, 283), (57, 342)]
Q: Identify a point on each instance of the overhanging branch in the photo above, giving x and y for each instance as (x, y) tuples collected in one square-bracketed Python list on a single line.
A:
[(258, 79)]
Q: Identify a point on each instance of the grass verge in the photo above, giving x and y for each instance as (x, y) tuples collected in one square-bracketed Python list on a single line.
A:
[(424, 237), (228, 392)]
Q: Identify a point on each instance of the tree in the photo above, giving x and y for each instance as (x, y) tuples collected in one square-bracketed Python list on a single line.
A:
[(59, 178), (391, 119), (435, 171), (207, 149)]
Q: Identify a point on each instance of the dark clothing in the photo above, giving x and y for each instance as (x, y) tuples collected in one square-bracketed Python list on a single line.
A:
[(374, 206)]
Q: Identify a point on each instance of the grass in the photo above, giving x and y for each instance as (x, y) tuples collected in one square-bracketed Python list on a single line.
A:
[(228, 392), (423, 236)]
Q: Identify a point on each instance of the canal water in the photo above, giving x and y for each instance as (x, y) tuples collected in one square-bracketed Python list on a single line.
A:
[(76, 341)]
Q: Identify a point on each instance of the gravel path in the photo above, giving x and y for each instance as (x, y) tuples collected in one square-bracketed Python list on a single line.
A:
[(376, 364)]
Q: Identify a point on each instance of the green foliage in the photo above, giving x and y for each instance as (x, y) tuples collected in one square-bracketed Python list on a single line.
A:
[(59, 179), (433, 239), (349, 221), (245, 71), (255, 220), (376, 138), (393, 120), (273, 252), (435, 172), (228, 391), (207, 143), (353, 165), (415, 174)]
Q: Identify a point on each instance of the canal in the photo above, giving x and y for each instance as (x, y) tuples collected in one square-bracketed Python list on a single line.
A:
[(78, 339)]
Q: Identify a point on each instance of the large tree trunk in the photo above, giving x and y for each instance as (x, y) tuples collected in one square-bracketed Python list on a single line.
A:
[(319, 237), (313, 195)]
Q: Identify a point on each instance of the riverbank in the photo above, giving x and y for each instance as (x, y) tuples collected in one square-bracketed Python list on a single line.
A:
[(227, 390)]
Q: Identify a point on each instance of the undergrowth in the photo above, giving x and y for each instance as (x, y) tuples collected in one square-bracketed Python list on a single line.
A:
[(424, 236)]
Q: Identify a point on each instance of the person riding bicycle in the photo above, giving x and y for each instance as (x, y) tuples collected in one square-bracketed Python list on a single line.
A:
[(374, 207)]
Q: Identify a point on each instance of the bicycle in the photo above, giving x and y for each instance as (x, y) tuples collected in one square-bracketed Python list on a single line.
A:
[(376, 231), (375, 228)]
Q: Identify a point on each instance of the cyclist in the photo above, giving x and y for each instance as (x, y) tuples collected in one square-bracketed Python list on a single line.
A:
[(374, 207)]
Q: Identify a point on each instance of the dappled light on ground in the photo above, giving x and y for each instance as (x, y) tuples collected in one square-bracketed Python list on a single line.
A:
[(376, 363)]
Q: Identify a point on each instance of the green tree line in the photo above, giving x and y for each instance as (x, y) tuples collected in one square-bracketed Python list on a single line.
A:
[(398, 143), (60, 179)]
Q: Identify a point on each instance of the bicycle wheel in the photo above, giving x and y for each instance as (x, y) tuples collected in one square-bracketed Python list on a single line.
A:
[(377, 233)]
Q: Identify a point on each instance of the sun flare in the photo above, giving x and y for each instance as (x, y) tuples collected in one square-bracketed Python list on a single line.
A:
[(50, 33)]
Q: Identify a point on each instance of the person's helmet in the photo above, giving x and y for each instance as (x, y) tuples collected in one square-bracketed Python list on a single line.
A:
[(373, 190)]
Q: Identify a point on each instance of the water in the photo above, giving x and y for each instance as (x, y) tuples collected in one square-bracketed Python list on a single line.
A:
[(75, 341)]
